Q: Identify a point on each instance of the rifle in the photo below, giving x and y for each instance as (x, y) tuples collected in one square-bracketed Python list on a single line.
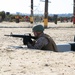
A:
[(26, 38)]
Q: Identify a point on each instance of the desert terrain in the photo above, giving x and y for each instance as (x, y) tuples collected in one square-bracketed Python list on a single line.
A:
[(15, 60)]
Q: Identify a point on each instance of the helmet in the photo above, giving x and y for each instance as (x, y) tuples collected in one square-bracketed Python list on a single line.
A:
[(38, 28)]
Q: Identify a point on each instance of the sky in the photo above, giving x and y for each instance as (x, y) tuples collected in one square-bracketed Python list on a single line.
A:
[(24, 6)]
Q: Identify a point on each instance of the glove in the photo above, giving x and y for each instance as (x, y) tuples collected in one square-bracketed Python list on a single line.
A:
[(26, 40)]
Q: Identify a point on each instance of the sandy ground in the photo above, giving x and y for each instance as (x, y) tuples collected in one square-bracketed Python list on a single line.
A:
[(23, 61)]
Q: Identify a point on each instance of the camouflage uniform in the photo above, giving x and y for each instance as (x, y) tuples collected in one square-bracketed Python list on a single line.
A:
[(44, 42), (0, 18)]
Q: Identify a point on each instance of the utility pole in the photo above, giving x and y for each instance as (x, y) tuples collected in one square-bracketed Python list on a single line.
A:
[(46, 13), (31, 16), (74, 12)]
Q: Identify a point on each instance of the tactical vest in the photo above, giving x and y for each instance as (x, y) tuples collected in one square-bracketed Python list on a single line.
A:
[(51, 44)]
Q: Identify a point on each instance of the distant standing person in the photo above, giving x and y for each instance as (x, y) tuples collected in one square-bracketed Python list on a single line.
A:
[(43, 41)]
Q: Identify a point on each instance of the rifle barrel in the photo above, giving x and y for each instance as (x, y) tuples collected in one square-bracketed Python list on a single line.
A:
[(21, 36)]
